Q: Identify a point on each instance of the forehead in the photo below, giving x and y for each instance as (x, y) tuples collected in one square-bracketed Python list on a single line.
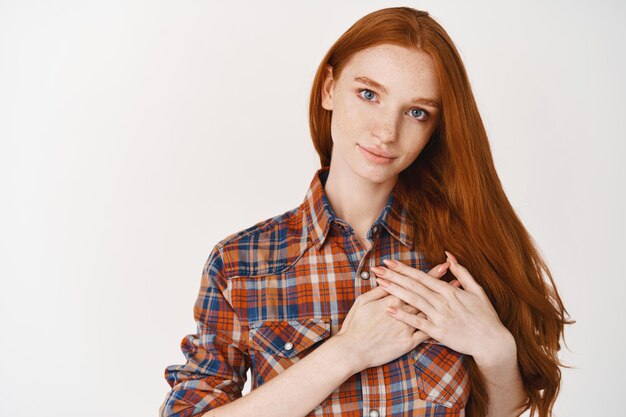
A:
[(396, 67)]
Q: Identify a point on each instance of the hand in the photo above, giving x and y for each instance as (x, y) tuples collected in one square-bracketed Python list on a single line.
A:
[(461, 318), (372, 336), (438, 271)]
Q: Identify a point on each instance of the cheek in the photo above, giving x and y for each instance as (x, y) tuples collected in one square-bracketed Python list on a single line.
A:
[(347, 124), (413, 152)]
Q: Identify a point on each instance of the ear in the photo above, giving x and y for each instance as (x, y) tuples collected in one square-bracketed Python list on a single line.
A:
[(327, 88)]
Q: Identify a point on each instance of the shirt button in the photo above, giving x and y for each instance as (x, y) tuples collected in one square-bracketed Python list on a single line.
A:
[(374, 413), (365, 275), (288, 346)]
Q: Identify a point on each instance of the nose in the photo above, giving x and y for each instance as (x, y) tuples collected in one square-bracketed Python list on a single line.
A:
[(387, 128)]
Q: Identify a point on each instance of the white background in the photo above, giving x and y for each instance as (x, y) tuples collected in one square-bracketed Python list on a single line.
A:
[(136, 135)]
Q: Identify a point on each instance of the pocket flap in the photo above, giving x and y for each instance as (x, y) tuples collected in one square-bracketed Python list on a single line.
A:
[(288, 338), (441, 374)]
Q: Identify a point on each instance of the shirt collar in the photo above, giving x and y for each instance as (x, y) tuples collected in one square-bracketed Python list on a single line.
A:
[(320, 214)]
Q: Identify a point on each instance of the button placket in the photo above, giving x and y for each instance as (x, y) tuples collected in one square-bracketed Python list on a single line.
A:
[(366, 274)]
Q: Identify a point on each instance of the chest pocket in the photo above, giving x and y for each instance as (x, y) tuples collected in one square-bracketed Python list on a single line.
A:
[(442, 375), (277, 344)]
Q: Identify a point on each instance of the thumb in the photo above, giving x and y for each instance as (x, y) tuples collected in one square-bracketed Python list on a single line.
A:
[(373, 294), (439, 271), (462, 274)]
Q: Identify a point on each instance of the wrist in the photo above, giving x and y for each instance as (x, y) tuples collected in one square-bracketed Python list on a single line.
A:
[(500, 351), (350, 358)]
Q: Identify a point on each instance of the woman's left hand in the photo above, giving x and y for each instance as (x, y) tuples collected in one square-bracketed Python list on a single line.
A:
[(462, 319)]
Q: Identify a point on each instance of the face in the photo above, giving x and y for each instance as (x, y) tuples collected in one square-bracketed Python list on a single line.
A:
[(384, 103)]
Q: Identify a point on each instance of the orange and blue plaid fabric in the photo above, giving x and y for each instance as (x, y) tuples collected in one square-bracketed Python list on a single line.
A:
[(273, 292)]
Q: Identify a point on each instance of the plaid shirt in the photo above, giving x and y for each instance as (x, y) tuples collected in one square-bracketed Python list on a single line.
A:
[(275, 291)]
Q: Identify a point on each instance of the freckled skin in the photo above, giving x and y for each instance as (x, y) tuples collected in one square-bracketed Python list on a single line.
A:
[(375, 119)]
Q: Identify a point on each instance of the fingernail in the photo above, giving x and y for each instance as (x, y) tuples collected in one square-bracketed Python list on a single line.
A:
[(377, 270), (392, 310), (439, 269), (449, 255), (390, 262), (382, 282)]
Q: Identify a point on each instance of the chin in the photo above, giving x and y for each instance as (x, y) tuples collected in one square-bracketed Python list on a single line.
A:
[(376, 174)]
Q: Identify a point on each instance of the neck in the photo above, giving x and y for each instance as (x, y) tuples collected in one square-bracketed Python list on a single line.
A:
[(355, 200)]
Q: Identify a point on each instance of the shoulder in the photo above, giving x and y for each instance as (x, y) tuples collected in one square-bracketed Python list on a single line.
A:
[(265, 247)]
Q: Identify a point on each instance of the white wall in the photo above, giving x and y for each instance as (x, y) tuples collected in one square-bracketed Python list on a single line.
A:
[(135, 135)]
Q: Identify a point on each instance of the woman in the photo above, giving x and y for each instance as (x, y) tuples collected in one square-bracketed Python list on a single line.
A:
[(310, 300)]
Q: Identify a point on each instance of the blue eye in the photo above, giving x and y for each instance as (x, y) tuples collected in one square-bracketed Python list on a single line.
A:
[(371, 95), (420, 110), (366, 90)]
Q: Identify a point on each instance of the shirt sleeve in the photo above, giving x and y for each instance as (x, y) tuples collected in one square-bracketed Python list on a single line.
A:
[(217, 359)]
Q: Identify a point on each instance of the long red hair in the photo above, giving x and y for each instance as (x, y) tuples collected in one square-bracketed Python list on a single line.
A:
[(456, 202)]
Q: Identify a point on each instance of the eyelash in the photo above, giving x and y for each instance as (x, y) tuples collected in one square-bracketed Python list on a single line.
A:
[(426, 114)]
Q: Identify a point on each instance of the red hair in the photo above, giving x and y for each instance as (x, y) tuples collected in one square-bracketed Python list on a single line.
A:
[(456, 202)]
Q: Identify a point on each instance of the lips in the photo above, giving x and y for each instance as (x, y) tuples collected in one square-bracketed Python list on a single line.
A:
[(378, 152)]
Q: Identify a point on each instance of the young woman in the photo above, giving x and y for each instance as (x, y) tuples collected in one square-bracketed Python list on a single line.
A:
[(312, 301)]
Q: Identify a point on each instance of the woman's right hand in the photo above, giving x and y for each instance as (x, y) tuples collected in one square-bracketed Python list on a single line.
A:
[(371, 336)]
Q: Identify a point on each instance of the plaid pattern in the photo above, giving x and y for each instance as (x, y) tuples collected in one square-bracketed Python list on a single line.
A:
[(271, 293)]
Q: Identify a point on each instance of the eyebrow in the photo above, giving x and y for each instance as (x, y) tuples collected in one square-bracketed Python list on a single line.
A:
[(368, 81)]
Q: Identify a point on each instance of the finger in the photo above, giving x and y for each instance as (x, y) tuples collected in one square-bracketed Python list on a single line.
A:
[(421, 277), (412, 320), (410, 309), (412, 285), (419, 336), (401, 304), (373, 294), (439, 270), (451, 256), (408, 296), (465, 278), (456, 283), (402, 268)]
